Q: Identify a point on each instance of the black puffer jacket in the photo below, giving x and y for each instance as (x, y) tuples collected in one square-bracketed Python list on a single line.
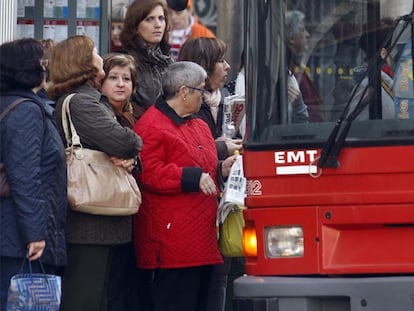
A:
[(151, 64)]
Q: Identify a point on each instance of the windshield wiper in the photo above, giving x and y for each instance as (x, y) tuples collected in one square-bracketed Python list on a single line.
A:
[(334, 145)]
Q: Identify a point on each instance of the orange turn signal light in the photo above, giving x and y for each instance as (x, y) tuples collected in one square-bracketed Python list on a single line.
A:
[(249, 242)]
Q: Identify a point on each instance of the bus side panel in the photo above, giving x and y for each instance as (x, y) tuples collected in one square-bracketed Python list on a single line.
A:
[(367, 239)]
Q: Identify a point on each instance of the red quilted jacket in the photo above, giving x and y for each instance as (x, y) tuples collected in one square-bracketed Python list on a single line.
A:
[(175, 226)]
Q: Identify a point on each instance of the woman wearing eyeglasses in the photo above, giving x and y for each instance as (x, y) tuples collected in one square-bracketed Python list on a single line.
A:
[(174, 230), (209, 54)]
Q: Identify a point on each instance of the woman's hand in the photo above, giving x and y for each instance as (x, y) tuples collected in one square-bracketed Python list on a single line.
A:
[(35, 249), (233, 145), (128, 164), (227, 164), (207, 184)]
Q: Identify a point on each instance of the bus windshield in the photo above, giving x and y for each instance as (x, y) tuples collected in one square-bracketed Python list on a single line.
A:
[(316, 68)]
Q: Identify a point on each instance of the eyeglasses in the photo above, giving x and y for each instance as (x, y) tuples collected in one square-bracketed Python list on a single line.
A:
[(203, 91)]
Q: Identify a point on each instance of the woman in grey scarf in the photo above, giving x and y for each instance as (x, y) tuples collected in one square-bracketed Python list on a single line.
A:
[(145, 37)]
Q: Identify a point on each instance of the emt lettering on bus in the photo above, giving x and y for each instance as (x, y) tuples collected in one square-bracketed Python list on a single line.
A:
[(297, 156)]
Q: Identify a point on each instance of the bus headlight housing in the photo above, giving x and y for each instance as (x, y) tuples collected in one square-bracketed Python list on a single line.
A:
[(282, 242)]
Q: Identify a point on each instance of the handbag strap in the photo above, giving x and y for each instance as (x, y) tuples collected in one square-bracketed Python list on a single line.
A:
[(26, 259), (72, 139), (12, 105)]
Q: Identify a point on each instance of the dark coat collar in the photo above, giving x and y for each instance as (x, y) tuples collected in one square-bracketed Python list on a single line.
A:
[(162, 106)]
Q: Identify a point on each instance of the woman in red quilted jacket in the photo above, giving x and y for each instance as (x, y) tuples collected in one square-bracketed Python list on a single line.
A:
[(175, 228)]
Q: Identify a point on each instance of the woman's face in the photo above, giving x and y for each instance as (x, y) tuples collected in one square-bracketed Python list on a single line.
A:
[(194, 98), (118, 87), (98, 63), (219, 76), (116, 29), (152, 28), (299, 42)]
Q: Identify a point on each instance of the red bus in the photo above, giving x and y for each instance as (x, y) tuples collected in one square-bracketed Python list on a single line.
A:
[(329, 223)]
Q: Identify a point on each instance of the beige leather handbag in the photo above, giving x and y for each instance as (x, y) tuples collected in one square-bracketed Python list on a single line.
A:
[(95, 185)]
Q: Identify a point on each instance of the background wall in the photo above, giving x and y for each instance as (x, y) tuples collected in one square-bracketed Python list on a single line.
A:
[(8, 16)]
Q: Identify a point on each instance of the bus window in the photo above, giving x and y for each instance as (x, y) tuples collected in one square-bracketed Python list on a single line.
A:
[(310, 63)]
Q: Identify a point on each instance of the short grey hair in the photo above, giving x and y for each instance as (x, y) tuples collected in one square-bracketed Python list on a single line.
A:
[(182, 73), (293, 18)]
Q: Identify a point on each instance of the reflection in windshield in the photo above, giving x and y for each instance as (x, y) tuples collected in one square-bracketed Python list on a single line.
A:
[(315, 54)]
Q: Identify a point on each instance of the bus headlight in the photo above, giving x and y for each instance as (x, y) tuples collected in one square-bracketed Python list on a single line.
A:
[(284, 242)]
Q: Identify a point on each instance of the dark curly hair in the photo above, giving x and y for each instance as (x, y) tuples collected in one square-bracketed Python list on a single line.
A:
[(20, 64)]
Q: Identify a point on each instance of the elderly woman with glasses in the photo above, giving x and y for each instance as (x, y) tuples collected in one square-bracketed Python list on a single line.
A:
[(174, 230)]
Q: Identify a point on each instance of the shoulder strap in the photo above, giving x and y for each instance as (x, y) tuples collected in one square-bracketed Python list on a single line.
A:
[(75, 140), (12, 105)]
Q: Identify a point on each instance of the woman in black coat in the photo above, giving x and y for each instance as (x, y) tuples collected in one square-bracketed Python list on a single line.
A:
[(145, 37), (32, 217)]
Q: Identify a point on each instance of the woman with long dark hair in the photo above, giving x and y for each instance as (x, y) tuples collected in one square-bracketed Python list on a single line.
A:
[(145, 37)]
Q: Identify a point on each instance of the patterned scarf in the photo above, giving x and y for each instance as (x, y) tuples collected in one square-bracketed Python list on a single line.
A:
[(157, 58)]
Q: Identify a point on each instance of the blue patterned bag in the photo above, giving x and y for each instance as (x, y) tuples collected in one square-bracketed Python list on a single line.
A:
[(34, 291)]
